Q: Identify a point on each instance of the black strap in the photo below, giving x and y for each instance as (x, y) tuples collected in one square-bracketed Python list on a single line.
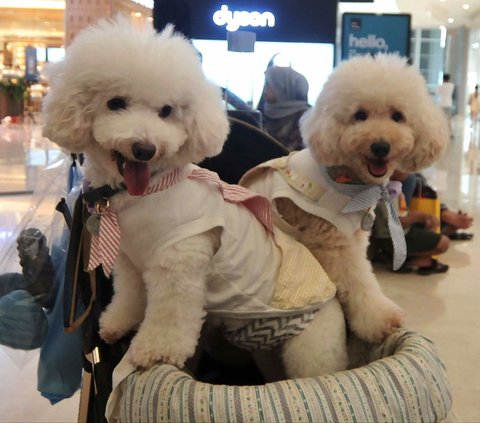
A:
[(96, 194), (62, 207), (73, 300)]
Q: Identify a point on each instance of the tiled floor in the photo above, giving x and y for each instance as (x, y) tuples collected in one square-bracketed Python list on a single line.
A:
[(445, 307), (442, 307)]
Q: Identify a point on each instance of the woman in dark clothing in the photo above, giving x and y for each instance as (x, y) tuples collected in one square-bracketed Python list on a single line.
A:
[(286, 93)]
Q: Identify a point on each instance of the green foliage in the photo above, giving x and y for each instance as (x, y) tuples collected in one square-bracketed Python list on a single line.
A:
[(13, 88)]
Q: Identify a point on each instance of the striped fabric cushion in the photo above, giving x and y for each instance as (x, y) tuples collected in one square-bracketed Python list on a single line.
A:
[(404, 382)]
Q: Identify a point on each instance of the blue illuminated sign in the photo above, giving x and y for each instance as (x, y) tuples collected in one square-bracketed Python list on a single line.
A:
[(366, 33)]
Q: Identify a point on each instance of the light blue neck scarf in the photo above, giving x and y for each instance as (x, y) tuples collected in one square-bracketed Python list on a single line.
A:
[(367, 196)]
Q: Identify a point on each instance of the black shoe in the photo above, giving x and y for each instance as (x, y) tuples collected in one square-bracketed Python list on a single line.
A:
[(461, 236), (435, 267)]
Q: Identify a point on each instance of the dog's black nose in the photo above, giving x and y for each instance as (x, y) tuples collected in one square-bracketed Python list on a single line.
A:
[(143, 150), (380, 149)]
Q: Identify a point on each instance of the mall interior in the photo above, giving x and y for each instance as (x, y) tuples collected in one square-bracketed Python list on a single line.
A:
[(442, 37)]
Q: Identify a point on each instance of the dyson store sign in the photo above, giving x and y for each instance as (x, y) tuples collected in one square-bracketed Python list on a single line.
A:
[(302, 21), (233, 20)]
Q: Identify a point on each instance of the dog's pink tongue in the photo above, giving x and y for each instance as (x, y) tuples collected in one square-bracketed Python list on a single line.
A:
[(137, 177), (377, 169)]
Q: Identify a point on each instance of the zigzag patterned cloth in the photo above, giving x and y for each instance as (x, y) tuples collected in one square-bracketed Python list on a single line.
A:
[(268, 333)]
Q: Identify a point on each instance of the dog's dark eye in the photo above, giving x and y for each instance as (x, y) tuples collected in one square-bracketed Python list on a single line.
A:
[(398, 117), (165, 111), (117, 103), (361, 115)]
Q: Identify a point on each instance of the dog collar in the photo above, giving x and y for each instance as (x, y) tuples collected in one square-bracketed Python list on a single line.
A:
[(94, 195)]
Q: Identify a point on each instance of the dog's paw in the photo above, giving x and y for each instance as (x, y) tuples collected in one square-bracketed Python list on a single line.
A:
[(112, 328), (378, 319), (148, 349), (109, 336)]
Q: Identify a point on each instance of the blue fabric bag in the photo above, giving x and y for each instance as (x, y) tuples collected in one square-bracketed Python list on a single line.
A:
[(60, 365), (61, 360)]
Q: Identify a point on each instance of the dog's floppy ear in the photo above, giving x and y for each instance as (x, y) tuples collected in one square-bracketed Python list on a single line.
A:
[(67, 111), (431, 134), (320, 133), (208, 125)]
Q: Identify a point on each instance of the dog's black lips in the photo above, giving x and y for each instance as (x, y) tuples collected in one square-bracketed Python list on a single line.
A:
[(120, 161)]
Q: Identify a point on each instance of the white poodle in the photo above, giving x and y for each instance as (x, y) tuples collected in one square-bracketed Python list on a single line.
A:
[(374, 115), (181, 243)]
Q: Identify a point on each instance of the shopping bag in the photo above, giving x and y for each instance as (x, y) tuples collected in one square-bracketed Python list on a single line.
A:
[(425, 199)]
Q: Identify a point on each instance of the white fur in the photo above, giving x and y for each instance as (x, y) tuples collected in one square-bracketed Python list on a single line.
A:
[(379, 86), (152, 71), (158, 291)]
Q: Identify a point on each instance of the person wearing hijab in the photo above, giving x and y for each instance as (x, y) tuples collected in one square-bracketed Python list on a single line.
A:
[(286, 99)]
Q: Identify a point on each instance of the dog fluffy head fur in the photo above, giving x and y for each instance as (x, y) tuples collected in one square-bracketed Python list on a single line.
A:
[(375, 115), (130, 96)]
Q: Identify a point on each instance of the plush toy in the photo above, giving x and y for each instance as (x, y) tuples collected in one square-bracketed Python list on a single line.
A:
[(374, 115)]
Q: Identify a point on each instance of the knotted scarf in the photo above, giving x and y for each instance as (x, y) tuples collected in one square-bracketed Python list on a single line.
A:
[(364, 196)]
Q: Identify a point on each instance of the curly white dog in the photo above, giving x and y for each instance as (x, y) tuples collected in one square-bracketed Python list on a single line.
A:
[(180, 242), (374, 115)]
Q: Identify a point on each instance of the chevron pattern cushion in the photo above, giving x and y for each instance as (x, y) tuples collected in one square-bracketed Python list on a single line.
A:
[(265, 334), (404, 382)]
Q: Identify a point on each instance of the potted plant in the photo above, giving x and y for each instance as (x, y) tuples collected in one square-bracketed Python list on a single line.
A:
[(12, 91)]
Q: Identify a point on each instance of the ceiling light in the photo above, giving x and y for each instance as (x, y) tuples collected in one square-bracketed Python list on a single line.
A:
[(466, 6), (475, 45), (450, 20)]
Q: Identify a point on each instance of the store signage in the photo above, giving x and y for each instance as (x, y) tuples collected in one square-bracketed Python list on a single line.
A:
[(305, 21), (236, 19), (370, 41), (367, 33)]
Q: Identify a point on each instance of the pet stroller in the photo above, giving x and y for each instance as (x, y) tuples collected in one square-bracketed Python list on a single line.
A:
[(400, 380)]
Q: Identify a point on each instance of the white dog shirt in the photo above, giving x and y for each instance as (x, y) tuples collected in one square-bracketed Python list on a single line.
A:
[(298, 178), (349, 207), (257, 273), (260, 275)]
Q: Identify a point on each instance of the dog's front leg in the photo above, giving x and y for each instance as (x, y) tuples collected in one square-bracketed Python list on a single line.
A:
[(321, 348), (370, 313), (176, 289), (127, 308)]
